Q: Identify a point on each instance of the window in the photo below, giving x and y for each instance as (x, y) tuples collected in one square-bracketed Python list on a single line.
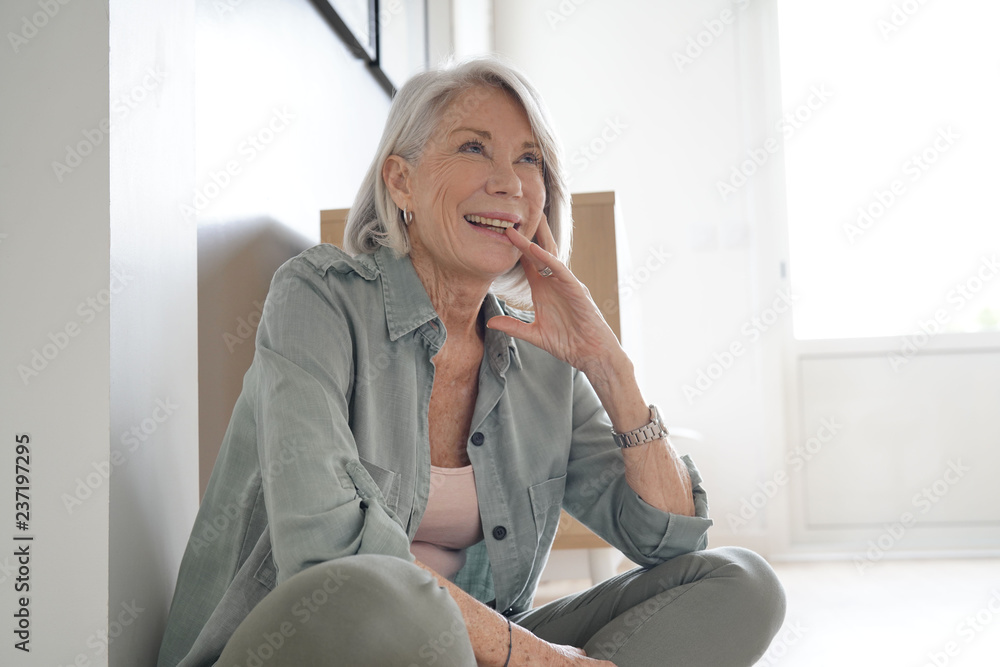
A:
[(892, 181)]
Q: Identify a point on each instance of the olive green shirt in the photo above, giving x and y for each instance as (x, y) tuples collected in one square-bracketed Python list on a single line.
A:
[(327, 453)]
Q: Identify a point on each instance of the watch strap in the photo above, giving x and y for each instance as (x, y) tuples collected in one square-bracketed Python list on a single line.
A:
[(654, 430)]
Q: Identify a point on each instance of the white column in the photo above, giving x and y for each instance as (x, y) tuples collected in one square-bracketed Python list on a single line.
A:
[(54, 328), (154, 326), (98, 362)]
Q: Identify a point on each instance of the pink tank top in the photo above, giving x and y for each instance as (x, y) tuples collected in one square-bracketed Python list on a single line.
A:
[(450, 523)]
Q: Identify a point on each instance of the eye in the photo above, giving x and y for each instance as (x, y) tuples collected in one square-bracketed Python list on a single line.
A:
[(532, 158), (474, 146)]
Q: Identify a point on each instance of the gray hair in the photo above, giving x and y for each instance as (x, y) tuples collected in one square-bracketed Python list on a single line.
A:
[(418, 108)]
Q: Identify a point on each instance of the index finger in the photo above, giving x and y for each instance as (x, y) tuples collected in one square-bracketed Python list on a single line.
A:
[(531, 251), (544, 235)]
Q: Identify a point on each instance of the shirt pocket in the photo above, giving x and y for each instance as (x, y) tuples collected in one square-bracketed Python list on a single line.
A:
[(546, 502), (385, 480)]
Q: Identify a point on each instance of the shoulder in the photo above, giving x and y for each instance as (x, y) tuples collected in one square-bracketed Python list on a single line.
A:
[(324, 258), (323, 274), (325, 269)]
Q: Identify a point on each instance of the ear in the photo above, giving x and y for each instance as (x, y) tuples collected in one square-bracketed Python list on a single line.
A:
[(396, 176)]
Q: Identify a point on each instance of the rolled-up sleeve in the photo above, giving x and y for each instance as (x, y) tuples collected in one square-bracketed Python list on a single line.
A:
[(321, 502), (600, 498)]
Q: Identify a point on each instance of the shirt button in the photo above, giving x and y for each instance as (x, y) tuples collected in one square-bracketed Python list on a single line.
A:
[(499, 532), (478, 438)]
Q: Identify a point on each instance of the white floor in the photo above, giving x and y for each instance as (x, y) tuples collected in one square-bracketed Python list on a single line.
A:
[(902, 613), (893, 614)]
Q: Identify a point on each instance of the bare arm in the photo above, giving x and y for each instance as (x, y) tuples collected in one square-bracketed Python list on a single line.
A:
[(569, 326), (653, 470), (488, 633)]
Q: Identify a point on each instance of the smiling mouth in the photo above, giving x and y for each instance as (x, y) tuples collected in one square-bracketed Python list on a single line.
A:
[(491, 223)]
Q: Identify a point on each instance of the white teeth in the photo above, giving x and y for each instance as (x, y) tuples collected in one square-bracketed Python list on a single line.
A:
[(489, 222)]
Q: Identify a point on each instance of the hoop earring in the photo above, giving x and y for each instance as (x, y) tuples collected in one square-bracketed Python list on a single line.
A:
[(407, 216)]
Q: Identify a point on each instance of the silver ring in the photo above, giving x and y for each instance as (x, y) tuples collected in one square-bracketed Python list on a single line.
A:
[(546, 272)]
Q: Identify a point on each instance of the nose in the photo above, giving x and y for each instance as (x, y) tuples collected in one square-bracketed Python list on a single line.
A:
[(503, 180)]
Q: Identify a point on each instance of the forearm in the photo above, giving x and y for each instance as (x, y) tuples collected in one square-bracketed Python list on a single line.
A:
[(488, 630), (653, 470)]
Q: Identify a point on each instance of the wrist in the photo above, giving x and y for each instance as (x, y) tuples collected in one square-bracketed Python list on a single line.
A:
[(619, 393), (609, 371), (530, 649), (649, 432)]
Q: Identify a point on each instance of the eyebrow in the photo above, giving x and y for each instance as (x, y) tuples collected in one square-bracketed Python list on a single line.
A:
[(486, 135)]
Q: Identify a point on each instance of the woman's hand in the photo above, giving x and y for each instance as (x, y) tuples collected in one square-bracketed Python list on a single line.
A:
[(568, 324), (571, 656), (541, 653)]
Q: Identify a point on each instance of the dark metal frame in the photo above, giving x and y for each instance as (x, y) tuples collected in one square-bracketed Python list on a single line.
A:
[(366, 52)]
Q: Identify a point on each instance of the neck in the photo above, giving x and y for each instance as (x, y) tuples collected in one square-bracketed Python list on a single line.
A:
[(456, 299)]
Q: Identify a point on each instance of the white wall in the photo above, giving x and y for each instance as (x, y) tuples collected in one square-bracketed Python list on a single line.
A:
[(54, 257), (659, 135), (273, 70), (98, 275), (154, 354)]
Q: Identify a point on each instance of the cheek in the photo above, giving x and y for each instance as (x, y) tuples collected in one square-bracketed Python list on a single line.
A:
[(452, 179), (534, 187), (537, 199)]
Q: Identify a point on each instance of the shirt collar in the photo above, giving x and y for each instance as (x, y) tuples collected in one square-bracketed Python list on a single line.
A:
[(499, 347), (407, 307)]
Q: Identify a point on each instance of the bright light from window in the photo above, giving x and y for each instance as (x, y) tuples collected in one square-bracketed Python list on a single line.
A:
[(892, 183)]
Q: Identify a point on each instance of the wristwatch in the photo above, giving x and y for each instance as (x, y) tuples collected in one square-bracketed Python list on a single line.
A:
[(654, 430)]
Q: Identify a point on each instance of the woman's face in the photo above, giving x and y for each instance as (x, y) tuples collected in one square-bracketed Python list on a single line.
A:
[(480, 171)]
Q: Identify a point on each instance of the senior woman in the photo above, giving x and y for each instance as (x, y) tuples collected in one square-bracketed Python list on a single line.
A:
[(390, 483)]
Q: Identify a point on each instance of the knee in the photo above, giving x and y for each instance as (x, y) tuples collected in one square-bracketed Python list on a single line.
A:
[(373, 590), (754, 587), (368, 609)]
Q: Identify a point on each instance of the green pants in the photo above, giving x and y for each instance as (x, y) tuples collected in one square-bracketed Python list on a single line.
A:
[(716, 608)]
